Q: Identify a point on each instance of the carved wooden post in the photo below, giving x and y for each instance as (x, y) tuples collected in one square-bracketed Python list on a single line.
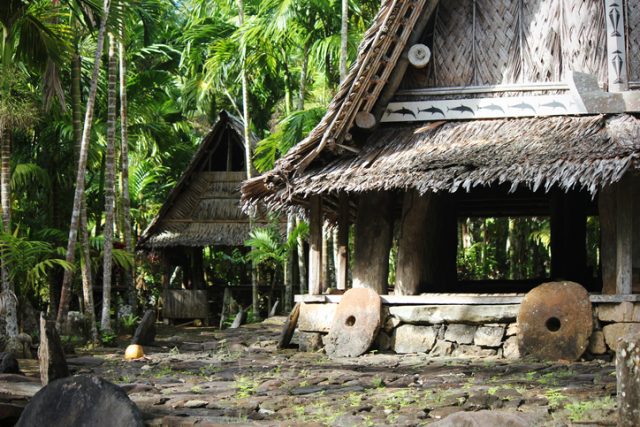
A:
[(373, 229), (607, 214), (628, 377), (412, 243), (624, 233), (315, 246), (342, 260), (616, 48)]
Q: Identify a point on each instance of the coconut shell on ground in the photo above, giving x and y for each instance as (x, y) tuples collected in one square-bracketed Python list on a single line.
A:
[(83, 400), (555, 321), (355, 324)]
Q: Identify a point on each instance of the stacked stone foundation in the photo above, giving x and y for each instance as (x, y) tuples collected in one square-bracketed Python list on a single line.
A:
[(465, 331)]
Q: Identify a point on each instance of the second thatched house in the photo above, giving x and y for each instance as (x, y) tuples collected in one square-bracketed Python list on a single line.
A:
[(475, 108), (201, 211)]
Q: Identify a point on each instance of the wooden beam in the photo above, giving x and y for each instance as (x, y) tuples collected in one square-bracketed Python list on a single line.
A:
[(624, 233), (439, 273), (412, 243), (315, 246), (607, 214), (373, 229), (342, 260), (454, 299)]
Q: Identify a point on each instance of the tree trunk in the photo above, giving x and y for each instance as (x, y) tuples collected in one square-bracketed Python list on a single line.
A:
[(87, 283), (65, 293), (109, 193), (374, 232), (248, 151), (344, 39), (124, 171), (8, 298)]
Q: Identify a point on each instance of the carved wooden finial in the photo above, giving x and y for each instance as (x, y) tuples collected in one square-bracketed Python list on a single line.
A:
[(419, 55)]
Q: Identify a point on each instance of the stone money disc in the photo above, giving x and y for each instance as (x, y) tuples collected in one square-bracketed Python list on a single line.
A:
[(555, 321), (355, 323)]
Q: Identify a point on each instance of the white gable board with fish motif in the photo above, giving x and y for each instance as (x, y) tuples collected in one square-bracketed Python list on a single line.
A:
[(515, 58)]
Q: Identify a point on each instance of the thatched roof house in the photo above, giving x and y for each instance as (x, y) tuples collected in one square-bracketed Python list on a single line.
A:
[(203, 207), (202, 210), (495, 102)]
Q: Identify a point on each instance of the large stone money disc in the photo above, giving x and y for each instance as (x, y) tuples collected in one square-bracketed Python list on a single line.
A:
[(355, 323), (555, 321)]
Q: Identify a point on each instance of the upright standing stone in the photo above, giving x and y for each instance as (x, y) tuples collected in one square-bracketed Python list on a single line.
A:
[(81, 401), (555, 321), (355, 324), (628, 376), (53, 364), (146, 331)]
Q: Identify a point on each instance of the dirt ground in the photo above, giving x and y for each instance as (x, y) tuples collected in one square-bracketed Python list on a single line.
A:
[(203, 376)]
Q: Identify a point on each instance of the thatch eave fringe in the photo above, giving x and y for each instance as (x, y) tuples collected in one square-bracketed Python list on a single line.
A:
[(566, 152)]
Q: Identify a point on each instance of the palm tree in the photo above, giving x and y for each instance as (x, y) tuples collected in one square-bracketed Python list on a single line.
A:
[(65, 294), (124, 163), (27, 37), (109, 189)]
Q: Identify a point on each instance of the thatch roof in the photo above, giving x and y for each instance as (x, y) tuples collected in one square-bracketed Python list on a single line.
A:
[(585, 152), (519, 44), (203, 208)]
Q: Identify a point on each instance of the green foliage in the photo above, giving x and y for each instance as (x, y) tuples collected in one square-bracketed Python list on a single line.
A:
[(108, 338), (29, 262), (245, 386), (510, 248), (269, 247), (590, 410), (129, 321)]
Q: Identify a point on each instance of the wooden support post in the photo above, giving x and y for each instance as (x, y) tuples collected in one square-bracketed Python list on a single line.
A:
[(342, 260), (412, 243), (636, 234), (628, 381), (624, 233), (373, 228), (441, 235), (197, 268), (166, 271), (315, 246), (607, 214), (569, 237)]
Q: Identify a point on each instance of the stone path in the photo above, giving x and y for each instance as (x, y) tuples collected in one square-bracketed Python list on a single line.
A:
[(202, 376)]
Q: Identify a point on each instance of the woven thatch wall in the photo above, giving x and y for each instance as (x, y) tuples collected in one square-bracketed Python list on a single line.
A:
[(485, 42), (204, 207), (206, 213)]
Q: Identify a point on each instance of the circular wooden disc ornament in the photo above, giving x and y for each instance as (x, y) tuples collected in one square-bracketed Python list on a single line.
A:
[(555, 321), (355, 324), (419, 55)]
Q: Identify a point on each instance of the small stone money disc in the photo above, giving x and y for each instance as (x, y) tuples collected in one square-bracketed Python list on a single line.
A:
[(355, 324), (555, 321)]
